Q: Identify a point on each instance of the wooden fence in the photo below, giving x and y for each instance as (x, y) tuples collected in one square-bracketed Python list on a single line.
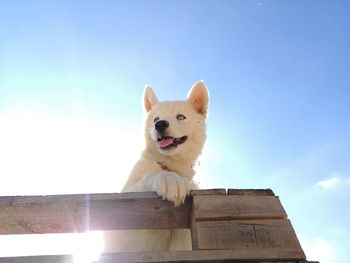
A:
[(227, 226)]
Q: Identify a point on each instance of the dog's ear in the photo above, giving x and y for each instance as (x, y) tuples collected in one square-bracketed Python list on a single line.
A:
[(149, 98), (199, 97)]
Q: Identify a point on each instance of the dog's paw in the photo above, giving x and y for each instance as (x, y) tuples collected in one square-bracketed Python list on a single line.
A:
[(171, 186)]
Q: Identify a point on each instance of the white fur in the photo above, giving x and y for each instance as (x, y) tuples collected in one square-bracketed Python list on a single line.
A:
[(176, 183)]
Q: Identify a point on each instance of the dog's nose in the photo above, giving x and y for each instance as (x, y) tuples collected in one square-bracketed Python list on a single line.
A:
[(161, 125)]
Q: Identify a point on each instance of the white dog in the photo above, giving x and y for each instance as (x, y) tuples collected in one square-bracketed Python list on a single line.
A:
[(175, 134)]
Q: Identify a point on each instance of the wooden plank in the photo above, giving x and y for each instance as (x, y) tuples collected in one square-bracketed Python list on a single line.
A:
[(215, 192), (219, 191), (194, 236), (268, 192), (266, 256), (224, 207), (79, 213), (201, 256), (247, 235)]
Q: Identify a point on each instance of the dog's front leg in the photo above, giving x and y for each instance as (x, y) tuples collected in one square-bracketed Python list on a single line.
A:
[(169, 185)]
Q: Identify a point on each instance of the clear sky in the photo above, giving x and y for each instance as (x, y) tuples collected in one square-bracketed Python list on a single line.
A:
[(72, 75)]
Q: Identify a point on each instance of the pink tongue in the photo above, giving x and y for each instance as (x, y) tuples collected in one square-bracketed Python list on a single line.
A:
[(166, 142)]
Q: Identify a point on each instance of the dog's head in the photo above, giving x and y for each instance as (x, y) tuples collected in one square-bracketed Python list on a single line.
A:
[(178, 126)]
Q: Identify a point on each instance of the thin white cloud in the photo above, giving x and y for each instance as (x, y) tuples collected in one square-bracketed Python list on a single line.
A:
[(333, 181), (328, 183)]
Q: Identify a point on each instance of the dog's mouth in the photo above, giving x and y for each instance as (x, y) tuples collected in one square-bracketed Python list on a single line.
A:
[(167, 142)]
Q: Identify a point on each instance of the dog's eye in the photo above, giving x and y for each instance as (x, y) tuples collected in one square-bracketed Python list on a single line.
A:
[(180, 117), (156, 119)]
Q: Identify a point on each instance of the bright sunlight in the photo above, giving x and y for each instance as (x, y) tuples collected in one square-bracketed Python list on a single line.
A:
[(45, 155)]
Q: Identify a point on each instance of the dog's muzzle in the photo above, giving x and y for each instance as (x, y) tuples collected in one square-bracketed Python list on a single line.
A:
[(167, 142)]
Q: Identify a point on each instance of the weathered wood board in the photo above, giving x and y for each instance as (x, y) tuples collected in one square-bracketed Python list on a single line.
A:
[(243, 220), (250, 192), (224, 207), (79, 213), (203, 256), (246, 234), (218, 191), (237, 225)]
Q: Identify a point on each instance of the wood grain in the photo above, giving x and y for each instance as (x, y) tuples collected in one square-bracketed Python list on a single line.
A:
[(219, 191), (79, 213), (268, 192), (248, 235), (224, 207)]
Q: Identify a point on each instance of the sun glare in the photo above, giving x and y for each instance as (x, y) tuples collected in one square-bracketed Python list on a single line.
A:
[(85, 247), (43, 155), (89, 247)]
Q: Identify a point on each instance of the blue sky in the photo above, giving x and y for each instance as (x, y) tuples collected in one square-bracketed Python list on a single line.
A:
[(72, 75)]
